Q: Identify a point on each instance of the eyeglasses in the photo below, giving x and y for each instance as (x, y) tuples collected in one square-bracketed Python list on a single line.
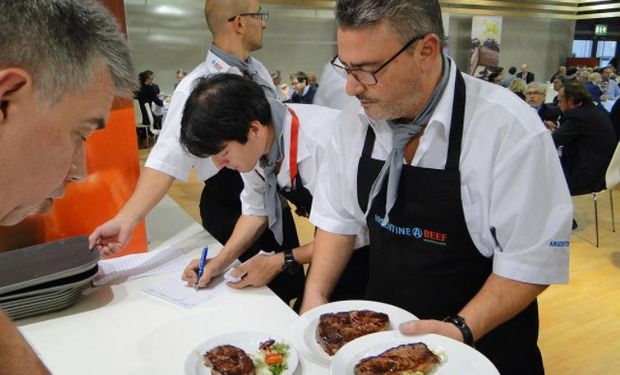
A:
[(258, 15), (532, 93), (364, 76)]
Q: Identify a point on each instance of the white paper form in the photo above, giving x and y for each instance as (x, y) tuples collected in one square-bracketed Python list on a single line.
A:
[(177, 291), (133, 266)]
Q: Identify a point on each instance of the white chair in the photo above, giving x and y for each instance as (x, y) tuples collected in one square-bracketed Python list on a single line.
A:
[(138, 119), (149, 113), (612, 179)]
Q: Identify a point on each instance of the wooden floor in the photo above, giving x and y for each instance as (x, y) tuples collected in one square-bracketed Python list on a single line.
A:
[(580, 321)]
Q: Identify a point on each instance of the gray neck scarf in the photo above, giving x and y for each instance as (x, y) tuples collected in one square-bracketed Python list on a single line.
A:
[(246, 67), (268, 162), (402, 134)]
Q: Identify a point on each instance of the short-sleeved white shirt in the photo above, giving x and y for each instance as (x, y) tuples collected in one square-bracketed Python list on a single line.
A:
[(511, 179), (316, 125), (168, 156)]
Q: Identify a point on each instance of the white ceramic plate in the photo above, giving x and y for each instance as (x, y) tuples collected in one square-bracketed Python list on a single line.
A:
[(303, 332), (248, 341), (458, 357)]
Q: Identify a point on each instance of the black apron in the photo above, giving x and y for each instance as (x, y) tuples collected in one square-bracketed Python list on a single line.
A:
[(220, 208), (425, 261)]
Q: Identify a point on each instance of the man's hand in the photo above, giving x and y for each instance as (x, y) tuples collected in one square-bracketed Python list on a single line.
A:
[(112, 236), (311, 301), (258, 270), (418, 327), (550, 125), (212, 269)]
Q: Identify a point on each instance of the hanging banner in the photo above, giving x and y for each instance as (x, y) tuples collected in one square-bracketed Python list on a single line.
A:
[(486, 36)]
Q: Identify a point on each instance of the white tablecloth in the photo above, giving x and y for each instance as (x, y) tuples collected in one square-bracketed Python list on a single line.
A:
[(120, 329), (608, 104)]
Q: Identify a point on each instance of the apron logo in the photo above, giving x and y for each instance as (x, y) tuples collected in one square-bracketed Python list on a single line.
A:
[(425, 235), (560, 244)]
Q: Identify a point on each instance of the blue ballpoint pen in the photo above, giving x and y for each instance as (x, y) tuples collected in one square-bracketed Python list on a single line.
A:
[(201, 266)]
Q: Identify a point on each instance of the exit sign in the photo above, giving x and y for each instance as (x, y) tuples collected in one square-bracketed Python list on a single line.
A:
[(600, 30)]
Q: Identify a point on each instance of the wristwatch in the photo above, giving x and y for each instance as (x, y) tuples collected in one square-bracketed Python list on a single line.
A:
[(459, 322), (290, 265)]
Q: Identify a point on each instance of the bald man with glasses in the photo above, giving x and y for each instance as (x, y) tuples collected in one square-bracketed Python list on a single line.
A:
[(237, 27), (455, 180)]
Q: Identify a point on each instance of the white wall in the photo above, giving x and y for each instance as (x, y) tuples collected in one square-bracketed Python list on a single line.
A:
[(164, 38), (542, 43)]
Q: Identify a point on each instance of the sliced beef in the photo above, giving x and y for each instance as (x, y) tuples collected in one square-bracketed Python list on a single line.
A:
[(401, 360), (336, 329), (228, 360)]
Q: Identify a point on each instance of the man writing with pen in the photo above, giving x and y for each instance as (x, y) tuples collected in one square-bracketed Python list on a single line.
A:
[(239, 128), (201, 265)]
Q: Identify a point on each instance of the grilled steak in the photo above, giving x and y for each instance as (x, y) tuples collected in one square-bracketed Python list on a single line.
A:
[(228, 360), (336, 329), (401, 360)]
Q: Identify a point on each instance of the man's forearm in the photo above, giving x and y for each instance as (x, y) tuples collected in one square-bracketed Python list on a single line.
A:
[(151, 188), (247, 230), (499, 300), (331, 255), (16, 356)]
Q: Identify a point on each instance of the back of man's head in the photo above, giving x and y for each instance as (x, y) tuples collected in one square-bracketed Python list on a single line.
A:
[(220, 109), (577, 93), (62, 43), (409, 18), (512, 70), (302, 77)]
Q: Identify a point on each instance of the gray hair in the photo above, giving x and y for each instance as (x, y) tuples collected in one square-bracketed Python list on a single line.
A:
[(63, 43), (409, 18), (540, 87)]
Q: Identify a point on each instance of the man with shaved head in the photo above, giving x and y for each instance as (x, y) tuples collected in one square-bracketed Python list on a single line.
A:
[(526, 74), (237, 28)]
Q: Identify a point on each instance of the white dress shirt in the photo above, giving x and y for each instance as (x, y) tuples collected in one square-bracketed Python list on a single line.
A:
[(511, 179), (168, 156)]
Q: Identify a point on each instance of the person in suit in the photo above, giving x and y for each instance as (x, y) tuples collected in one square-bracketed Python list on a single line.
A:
[(535, 96), (525, 74), (614, 116), (303, 92), (587, 140), (47, 71)]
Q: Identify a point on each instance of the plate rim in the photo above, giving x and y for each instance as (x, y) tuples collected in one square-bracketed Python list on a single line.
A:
[(299, 327), (394, 338), (293, 354)]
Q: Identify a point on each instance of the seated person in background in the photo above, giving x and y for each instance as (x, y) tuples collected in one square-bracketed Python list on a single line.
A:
[(560, 72), (277, 149), (302, 92), (313, 80), (611, 88), (509, 77), (587, 139), (518, 86), (585, 79), (535, 97), (558, 83), (614, 116), (525, 74), (181, 73), (47, 71)]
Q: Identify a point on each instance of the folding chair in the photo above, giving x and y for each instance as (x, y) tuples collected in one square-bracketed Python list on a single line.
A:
[(138, 119), (612, 179)]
